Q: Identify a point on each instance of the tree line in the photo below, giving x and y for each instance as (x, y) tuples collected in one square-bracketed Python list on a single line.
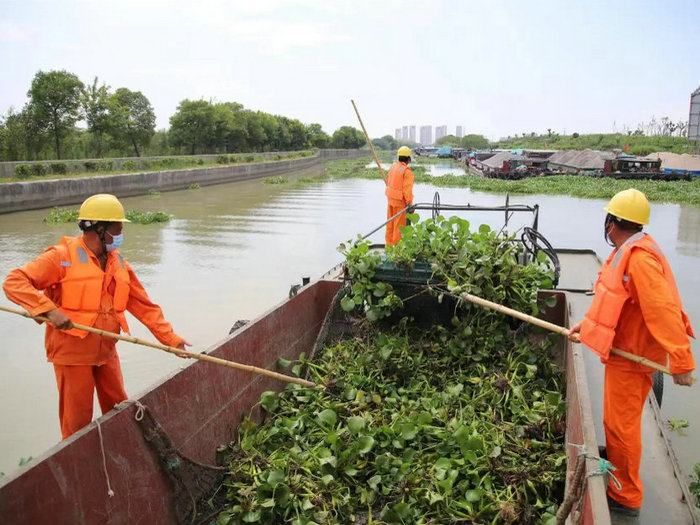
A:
[(64, 118)]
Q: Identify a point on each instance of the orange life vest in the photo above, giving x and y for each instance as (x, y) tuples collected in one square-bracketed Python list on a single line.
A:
[(80, 294), (611, 294), (394, 184)]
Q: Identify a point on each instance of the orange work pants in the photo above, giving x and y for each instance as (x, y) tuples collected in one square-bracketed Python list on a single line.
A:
[(76, 392), (393, 232), (625, 395)]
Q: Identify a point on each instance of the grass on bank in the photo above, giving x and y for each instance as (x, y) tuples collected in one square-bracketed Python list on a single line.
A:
[(681, 192), (91, 168)]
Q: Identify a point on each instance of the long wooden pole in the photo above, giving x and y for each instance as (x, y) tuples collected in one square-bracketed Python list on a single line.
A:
[(173, 350), (557, 329), (369, 143)]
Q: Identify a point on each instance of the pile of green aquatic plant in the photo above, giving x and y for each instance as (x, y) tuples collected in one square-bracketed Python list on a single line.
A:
[(456, 423), (147, 217), (481, 262), (61, 215), (276, 180)]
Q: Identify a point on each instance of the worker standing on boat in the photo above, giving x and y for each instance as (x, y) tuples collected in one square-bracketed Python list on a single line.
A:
[(85, 280), (636, 308), (399, 192)]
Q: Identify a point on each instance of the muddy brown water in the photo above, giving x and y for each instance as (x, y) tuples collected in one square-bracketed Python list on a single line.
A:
[(232, 251)]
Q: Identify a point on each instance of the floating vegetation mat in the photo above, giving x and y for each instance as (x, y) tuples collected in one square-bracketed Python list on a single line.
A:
[(61, 215), (461, 422)]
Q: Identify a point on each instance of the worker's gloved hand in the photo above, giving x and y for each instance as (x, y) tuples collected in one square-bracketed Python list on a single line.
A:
[(59, 319), (574, 332), (411, 208), (684, 379)]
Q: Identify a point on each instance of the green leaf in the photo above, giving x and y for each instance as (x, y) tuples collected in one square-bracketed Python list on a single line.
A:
[(373, 314), (408, 431), (326, 480), (347, 304), (474, 495), (356, 424), (284, 363), (251, 516), (268, 400), (495, 452), (328, 417), (275, 477), (365, 444)]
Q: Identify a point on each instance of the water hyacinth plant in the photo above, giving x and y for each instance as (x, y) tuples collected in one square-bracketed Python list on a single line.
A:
[(456, 423), (61, 215)]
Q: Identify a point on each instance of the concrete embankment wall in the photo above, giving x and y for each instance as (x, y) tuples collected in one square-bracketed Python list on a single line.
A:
[(21, 196)]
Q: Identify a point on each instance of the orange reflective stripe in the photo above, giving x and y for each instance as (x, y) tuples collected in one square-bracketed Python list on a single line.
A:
[(600, 322)]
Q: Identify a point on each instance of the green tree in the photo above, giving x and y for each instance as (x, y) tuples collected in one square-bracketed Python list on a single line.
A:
[(13, 145), (473, 141), (272, 133), (316, 137), (55, 103), (447, 140), (192, 125), (236, 133), (386, 142), (347, 137), (296, 134), (96, 106), (134, 120)]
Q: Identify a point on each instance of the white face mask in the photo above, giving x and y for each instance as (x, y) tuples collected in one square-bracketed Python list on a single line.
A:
[(116, 242)]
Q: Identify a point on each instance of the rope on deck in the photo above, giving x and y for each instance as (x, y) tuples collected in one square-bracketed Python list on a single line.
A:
[(579, 482)]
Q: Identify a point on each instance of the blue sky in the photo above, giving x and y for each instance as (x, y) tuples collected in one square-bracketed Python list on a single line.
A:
[(495, 67)]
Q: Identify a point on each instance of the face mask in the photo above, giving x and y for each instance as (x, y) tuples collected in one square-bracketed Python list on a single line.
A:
[(116, 242)]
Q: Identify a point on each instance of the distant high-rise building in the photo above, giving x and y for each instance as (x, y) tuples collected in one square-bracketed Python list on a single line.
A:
[(412, 133), (694, 116), (460, 132), (397, 134), (404, 133), (440, 131), (426, 135)]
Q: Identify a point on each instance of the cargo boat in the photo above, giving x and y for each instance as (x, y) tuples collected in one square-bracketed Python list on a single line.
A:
[(154, 458)]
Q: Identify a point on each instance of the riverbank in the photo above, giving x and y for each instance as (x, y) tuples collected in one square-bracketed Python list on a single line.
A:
[(679, 192), (38, 194)]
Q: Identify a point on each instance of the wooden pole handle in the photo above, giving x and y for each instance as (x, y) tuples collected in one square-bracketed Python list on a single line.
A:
[(369, 143), (173, 350), (557, 329)]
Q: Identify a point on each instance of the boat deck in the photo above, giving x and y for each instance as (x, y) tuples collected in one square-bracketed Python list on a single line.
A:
[(664, 500)]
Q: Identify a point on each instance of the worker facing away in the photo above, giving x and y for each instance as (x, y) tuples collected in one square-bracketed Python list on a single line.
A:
[(636, 308), (399, 192), (84, 280)]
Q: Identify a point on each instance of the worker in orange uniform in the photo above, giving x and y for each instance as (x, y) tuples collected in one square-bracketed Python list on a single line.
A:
[(636, 308), (399, 192), (85, 280)]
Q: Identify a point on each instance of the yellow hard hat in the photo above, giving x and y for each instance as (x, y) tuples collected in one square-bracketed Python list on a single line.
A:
[(102, 207), (404, 152), (631, 205)]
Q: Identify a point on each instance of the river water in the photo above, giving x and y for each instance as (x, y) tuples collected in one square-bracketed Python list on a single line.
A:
[(233, 251)]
